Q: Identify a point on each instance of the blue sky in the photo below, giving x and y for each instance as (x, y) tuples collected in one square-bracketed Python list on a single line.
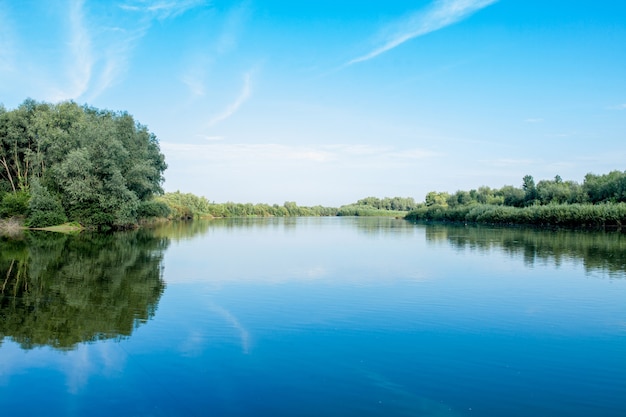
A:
[(326, 102)]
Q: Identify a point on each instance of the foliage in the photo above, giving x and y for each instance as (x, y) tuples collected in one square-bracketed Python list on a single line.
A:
[(185, 206), (44, 209), (434, 198), (360, 210), (610, 187), (376, 207), (546, 203), (153, 208), (14, 204), (101, 164), (395, 203), (553, 215), (189, 206)]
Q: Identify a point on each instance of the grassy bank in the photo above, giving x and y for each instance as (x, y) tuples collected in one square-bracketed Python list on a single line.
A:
[(71, 227)]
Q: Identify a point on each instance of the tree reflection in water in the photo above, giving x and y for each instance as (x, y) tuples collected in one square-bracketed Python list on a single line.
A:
[(60, 290), (599, 251)]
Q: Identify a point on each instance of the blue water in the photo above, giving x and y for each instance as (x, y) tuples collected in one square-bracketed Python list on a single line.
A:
[(352, 317)]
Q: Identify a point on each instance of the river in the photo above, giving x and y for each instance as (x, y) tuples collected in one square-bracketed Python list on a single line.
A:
[(314, 317)]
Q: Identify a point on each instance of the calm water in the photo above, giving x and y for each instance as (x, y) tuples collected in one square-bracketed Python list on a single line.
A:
[(314, 317)]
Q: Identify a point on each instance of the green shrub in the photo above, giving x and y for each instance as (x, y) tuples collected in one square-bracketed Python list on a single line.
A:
[(44, 209), (14, 204), (152, 208)]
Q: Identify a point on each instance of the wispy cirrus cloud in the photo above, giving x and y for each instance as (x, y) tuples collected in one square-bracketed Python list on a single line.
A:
[(121, 36), (101, 44), (81, 56), (232, 108), (265, 172), (618, 107), (194, 79), (221, 42), (234, 22), (440, 14), (162, 9)]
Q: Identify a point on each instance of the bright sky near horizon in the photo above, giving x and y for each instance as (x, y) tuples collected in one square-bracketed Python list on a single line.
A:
[(326, 102)]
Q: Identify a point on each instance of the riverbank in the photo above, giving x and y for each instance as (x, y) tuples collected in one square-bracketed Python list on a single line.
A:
[(586, 216), (13, 226)]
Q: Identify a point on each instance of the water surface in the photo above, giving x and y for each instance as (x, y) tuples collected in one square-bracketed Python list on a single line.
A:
[(314, 316)]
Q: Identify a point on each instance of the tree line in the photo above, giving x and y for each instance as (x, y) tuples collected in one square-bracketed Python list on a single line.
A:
[(189, 206), (61, 162), (599, 201)]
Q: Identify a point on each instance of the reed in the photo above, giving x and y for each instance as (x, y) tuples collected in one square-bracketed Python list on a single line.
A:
[(11, 227), (552, 215)]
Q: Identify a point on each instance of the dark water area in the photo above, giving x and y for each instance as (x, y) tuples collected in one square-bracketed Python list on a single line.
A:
[(314, 316)]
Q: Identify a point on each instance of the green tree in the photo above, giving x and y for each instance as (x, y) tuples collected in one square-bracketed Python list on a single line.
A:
[(102, 163), (609, 187), (530, 190), (512, 196), (434, 198), (44, 209)]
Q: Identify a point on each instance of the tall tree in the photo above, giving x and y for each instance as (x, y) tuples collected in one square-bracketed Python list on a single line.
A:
[(101, 164)]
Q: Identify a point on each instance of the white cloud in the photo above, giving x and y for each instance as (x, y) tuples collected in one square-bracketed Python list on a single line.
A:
[(80, 67), (618, 107), (161, 9), (79, 58), (232, 108), (123, 35), (308, 173), (442, 13), (194, 80), (234, 21), (231, 23), (100, 49), (533, 120)]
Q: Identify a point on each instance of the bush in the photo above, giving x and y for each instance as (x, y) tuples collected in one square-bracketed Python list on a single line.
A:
[(152, 208), (368, 211), (44, 209), (14, 204), (551, 215)]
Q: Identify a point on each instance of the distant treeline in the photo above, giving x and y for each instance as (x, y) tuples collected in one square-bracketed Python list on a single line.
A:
[(186, 206), (189, 206), (372, 206), (600, 201)]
